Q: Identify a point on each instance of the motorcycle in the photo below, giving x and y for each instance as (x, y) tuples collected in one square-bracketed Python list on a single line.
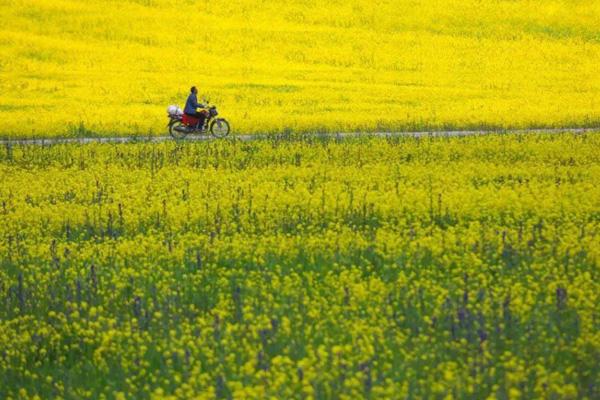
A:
[(181, 124)]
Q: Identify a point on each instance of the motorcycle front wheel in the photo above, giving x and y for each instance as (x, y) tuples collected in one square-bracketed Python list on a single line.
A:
[(177, 129), (219, 128)]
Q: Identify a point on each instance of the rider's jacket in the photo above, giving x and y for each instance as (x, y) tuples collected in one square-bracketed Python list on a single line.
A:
[(192, 104)]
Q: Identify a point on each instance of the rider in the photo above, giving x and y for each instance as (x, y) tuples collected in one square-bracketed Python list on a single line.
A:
[(192, 104)]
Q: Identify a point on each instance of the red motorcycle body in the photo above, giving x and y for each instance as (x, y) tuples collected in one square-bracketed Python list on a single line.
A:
[(189, 120)]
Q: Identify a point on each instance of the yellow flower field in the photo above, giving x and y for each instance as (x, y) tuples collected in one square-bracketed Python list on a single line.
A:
[(81, 68), (303, 268)]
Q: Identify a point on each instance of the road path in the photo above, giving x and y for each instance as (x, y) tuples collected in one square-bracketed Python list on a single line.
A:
[(246, 138)]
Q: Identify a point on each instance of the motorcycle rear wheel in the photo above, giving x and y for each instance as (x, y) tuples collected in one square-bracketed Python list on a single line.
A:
[(176, 130), (219, 128)]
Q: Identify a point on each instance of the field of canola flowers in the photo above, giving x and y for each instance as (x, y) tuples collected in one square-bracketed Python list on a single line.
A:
[(307, 268), (111, 67)]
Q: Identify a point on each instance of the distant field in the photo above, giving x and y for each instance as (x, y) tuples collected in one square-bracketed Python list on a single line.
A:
[(83, 68), (398, 268)]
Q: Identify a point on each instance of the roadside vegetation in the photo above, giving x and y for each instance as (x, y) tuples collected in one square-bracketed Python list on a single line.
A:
[(303, 268), (89, 68)]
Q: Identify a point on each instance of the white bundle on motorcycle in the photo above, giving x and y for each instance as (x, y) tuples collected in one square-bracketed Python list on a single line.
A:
[(174, 111)]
